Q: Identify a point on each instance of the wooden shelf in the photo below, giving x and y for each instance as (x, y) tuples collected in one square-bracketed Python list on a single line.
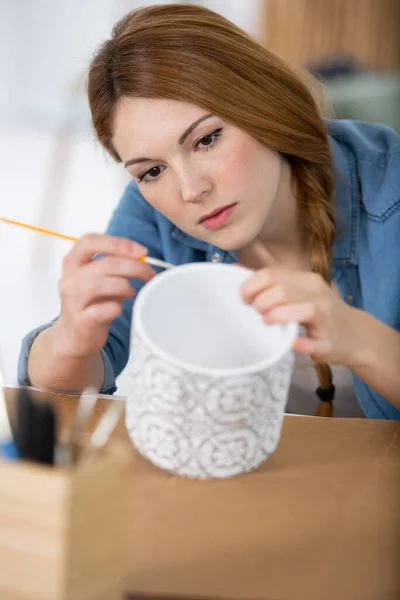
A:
[(305, 31)]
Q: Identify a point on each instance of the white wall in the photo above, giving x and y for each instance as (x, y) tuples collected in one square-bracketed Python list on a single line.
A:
[(52, 173)]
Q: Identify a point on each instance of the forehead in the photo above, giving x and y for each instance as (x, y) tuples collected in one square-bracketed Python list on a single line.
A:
[(146, 118)]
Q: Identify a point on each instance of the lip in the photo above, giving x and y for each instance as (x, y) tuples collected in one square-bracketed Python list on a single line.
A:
[(215, 212)]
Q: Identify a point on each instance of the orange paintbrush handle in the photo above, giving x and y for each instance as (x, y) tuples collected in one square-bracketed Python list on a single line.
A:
[(39, 229), (145, 259)]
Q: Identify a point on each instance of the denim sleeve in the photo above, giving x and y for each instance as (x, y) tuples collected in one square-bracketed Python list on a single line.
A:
[(108, 387), (133, 219)]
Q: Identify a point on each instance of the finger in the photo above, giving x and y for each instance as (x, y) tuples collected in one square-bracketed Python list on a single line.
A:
[(103, 288), (266, 278), (277, 295), (93, 243), (103, 312), (261, 280), (120, 267), (302, 312), (318, 349), (80, 292)]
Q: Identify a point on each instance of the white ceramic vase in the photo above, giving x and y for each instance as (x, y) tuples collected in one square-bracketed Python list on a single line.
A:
[(209, 380)]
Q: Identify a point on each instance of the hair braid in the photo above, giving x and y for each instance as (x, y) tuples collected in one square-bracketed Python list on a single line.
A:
[(315, 185)]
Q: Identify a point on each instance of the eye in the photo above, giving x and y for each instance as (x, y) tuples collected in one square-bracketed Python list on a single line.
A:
[(209, 140), (151, 174)]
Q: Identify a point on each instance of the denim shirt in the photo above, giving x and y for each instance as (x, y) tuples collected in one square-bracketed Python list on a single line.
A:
[(366, 263)]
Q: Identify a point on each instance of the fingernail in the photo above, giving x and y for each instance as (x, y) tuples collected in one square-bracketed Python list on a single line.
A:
[(138, 250)]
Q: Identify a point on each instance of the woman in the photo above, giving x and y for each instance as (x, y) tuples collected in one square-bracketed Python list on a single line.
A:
[(231, 161)]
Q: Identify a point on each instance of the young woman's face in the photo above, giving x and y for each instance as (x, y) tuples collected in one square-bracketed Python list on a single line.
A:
[(209, 178)]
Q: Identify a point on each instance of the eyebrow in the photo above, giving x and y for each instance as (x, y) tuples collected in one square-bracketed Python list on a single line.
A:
[(181, 140)]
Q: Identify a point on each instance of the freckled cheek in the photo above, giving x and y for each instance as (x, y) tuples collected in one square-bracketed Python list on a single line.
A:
[(235, 167), (166, 199)]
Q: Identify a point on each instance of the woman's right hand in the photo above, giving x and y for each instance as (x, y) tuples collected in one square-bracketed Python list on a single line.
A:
[(92, 292)]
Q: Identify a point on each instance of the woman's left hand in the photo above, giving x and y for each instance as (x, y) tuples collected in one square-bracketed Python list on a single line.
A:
[(282, 295)]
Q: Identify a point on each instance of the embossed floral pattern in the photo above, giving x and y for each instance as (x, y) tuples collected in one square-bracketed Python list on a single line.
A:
[(201, 426)]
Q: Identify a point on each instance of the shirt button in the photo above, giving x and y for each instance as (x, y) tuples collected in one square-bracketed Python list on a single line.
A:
[(349, 298), (216, 257)]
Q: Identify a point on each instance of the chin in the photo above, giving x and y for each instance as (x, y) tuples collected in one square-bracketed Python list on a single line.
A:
[(231, 241)]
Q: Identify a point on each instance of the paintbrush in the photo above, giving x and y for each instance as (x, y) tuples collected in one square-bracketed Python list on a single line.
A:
[(8, 447), (86, 405), (155, 262), (103, 431)]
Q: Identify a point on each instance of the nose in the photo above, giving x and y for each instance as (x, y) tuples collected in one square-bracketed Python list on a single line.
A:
[(194, 186)]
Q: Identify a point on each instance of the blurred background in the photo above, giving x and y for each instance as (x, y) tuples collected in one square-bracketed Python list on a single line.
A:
[(54, 175)]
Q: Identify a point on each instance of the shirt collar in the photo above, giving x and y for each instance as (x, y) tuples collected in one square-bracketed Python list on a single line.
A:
[(347, 205), (212, 252)]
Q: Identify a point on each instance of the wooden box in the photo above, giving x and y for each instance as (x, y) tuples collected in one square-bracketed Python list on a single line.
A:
[(64, 531)]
